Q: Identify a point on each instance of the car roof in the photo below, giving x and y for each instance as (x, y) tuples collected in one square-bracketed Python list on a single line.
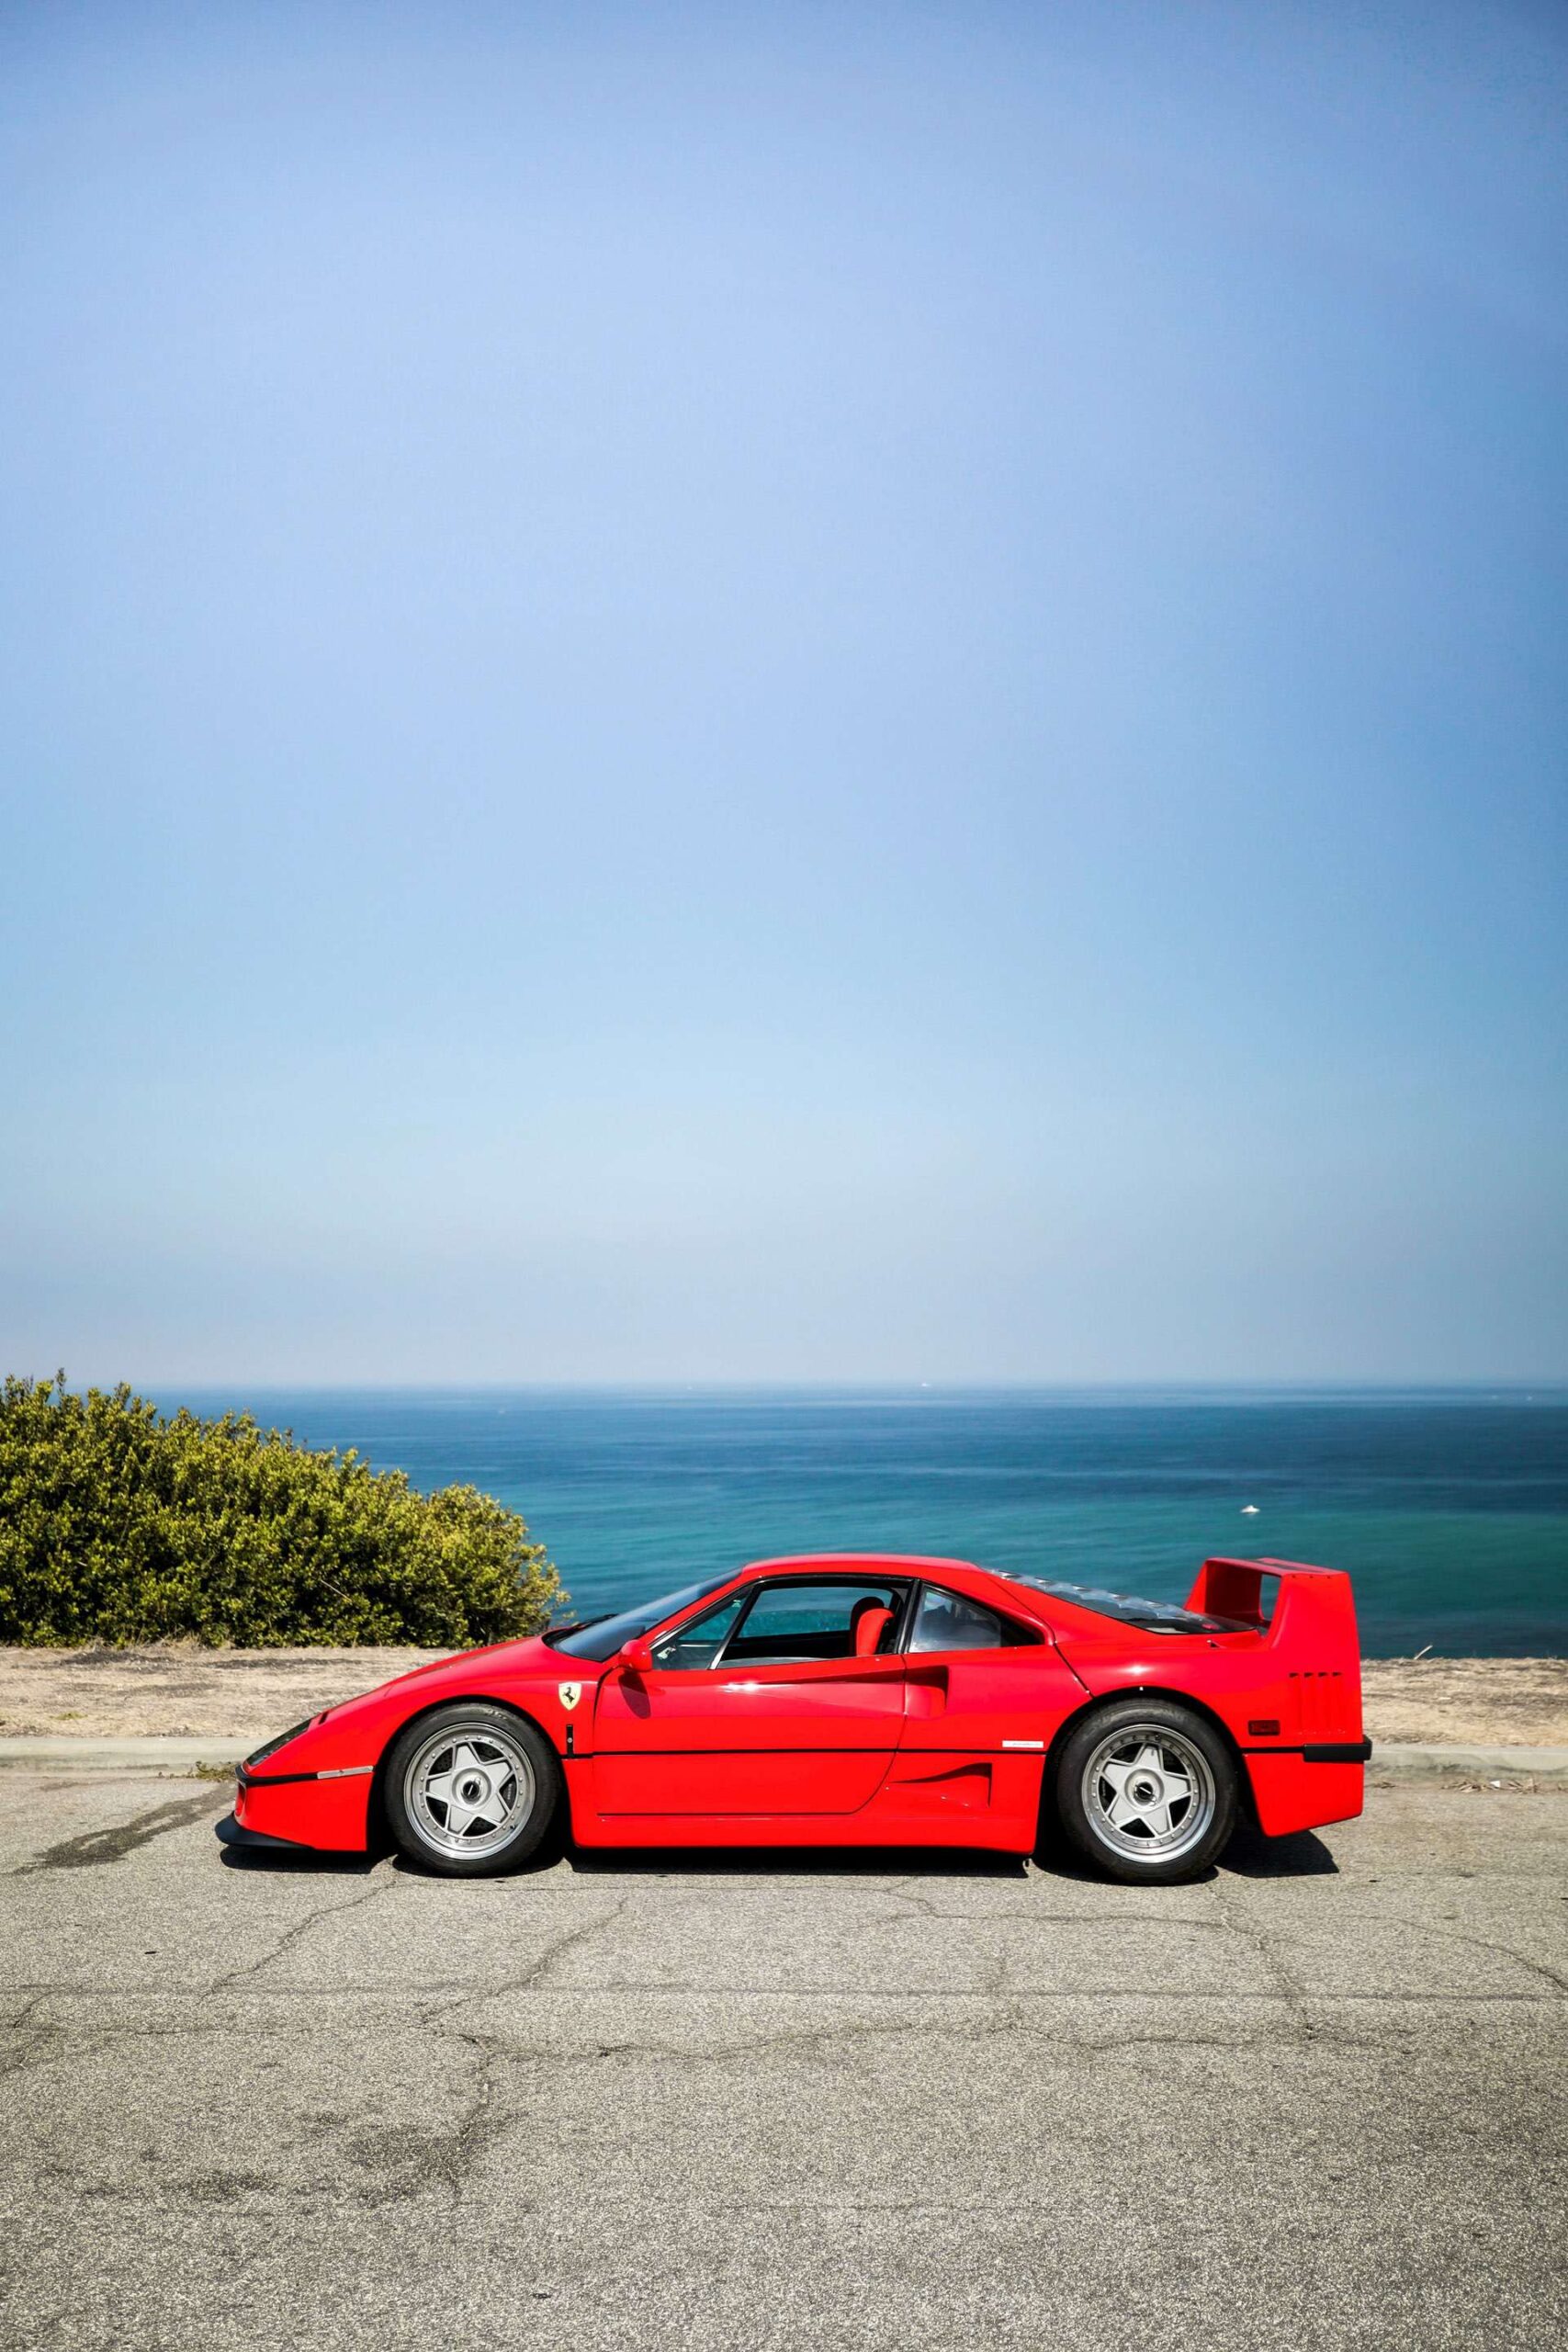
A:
[(908, 1563), (966, 1576)]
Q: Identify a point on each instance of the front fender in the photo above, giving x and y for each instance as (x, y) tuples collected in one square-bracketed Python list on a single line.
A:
[(320, 1786)]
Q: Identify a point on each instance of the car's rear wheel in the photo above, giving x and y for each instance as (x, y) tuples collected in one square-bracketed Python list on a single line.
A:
[(471, 1789), (1146, 1790)]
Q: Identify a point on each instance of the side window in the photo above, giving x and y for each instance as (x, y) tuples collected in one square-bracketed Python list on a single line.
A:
[(948, 1622), (792, 1622), (697, 1643)]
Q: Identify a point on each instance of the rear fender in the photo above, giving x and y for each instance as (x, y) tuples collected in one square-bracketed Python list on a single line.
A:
[(1311, 1640), (1282, 1792), (1308, 1641), (1142, 1690)]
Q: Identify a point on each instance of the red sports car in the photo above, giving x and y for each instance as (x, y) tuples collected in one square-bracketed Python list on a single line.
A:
[(853, 1700)]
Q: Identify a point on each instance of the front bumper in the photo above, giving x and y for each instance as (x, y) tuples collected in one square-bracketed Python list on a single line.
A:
[(229, 1832), (326, 1810)]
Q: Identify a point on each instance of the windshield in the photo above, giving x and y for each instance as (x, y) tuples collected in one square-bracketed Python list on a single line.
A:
[(1149, 1616), (604, 1636)]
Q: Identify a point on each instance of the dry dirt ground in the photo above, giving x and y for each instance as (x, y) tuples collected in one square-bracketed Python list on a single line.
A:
[(186, 1692), (1500, 1701)]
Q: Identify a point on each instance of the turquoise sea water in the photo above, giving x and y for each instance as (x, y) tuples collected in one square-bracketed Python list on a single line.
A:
[(1449, 1506)]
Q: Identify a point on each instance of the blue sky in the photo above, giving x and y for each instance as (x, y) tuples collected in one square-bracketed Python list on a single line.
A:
[(789, 692)]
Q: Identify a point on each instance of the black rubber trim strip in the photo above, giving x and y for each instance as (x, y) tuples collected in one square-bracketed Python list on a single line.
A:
[(229, 1832), (1322, 1751)]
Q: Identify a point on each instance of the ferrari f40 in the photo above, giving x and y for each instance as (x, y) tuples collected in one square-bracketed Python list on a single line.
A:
[(853, 1700)]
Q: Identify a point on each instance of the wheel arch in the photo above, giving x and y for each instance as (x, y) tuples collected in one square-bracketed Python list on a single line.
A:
[(1102, 1700)]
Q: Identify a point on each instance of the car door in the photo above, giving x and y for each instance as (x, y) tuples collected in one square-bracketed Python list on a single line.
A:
[(986, 1692), (763, 1704)]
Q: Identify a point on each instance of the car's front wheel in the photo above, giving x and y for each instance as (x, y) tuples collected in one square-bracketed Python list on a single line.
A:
[(1146, 1790), (470, 1789)]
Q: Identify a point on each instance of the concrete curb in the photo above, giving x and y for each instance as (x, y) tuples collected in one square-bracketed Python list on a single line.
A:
[(1407, 1761), (1391, 1766), (44, 1752)]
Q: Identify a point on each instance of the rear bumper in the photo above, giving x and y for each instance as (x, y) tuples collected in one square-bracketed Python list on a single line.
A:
[(1307, 1788)]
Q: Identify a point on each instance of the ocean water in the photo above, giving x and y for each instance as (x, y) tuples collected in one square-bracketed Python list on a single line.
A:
[(1449, 1508)]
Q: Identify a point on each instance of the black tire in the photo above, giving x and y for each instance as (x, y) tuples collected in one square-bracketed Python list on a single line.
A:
[(470, 1790), (1169, 1776)]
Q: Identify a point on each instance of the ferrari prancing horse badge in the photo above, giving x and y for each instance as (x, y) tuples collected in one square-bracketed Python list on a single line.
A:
[(570, 1692)]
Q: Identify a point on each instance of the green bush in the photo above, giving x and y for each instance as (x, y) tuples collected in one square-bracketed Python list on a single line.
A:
[(117, 1524)]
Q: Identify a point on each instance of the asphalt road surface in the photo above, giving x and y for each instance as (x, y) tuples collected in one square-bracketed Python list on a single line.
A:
[(1318, 2100)]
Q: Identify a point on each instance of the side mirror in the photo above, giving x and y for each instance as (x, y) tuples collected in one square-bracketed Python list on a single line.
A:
[(635, 1656)]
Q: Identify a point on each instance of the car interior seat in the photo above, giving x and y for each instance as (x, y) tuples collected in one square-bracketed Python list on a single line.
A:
[(869, 1620)]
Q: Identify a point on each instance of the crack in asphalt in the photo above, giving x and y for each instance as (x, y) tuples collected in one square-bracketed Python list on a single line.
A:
[(567, 1941), (402, 2160), (46, 2042), (405, 2160), (822, 2039), (300, 1929), (530, 1979), (1481, 1943), (377, 2166), (1291, 1991)]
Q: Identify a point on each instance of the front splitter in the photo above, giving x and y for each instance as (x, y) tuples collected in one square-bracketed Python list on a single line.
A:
[(229, 1832)]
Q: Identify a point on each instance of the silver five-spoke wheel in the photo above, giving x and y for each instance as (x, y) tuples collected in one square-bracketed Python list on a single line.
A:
[(1145, 1787), (1150, 1792), (468, 1791), (471, 1788)]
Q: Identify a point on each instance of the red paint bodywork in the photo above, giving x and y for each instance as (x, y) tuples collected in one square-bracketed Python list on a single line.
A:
[(945, 1749)]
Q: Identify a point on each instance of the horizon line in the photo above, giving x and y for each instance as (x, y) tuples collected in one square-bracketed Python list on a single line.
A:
[(270, 1384)]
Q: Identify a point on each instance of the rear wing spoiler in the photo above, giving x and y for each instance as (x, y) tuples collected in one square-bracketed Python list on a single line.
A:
[(1296, 1606)]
